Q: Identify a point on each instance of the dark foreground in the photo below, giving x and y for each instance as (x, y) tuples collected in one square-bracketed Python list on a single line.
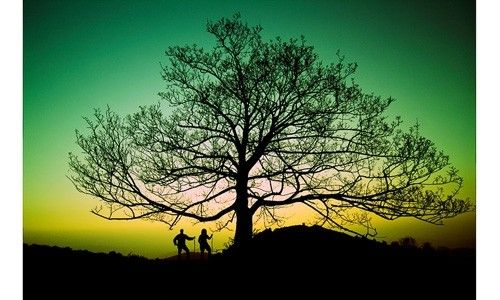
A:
[(295, 262)]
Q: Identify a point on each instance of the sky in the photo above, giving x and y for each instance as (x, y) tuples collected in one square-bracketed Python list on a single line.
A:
[(81, 55)]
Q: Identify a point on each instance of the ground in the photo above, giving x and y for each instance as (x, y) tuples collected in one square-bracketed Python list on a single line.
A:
[(287, 262)]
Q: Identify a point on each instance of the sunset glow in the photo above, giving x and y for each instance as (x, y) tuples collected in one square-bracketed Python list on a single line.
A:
[(81, 55)]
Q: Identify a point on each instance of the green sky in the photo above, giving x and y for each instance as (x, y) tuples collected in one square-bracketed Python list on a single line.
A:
[(81, 55)]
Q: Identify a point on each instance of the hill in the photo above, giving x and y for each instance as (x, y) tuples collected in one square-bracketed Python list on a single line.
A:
[(291, 261)]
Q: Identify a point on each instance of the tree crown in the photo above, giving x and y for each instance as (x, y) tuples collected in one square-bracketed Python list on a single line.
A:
[(253, 125)]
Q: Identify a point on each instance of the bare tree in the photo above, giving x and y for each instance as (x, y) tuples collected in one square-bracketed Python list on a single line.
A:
[(253, 125)]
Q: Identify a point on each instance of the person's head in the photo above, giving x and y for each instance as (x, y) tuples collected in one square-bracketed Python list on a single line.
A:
[(182, 230), (203, 231)]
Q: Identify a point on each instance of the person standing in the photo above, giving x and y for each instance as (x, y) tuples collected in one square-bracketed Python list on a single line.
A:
[(203, 241), (180, 242)]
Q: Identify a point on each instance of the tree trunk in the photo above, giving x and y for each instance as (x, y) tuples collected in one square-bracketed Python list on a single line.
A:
[(244, 225)]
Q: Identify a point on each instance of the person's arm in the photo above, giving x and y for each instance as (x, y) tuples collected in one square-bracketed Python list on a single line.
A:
[(210, 237)]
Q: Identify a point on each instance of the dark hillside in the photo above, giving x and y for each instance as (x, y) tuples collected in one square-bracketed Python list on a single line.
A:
[(292, 261)]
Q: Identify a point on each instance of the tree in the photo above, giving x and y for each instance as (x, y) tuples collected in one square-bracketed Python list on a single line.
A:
[(254, 125), (408, 242)]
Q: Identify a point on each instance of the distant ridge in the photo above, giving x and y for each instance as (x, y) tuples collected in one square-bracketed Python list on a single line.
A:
[(296, 259), (292, 239)]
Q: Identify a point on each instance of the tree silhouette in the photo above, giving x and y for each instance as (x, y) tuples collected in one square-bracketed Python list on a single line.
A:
[(408, 242), (254, 125)]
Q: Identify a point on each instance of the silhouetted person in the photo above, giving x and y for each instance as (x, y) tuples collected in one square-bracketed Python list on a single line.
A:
[(203, 240), (180, 242)]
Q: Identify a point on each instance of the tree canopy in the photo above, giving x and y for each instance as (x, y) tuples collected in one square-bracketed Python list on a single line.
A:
[(252, 125)]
